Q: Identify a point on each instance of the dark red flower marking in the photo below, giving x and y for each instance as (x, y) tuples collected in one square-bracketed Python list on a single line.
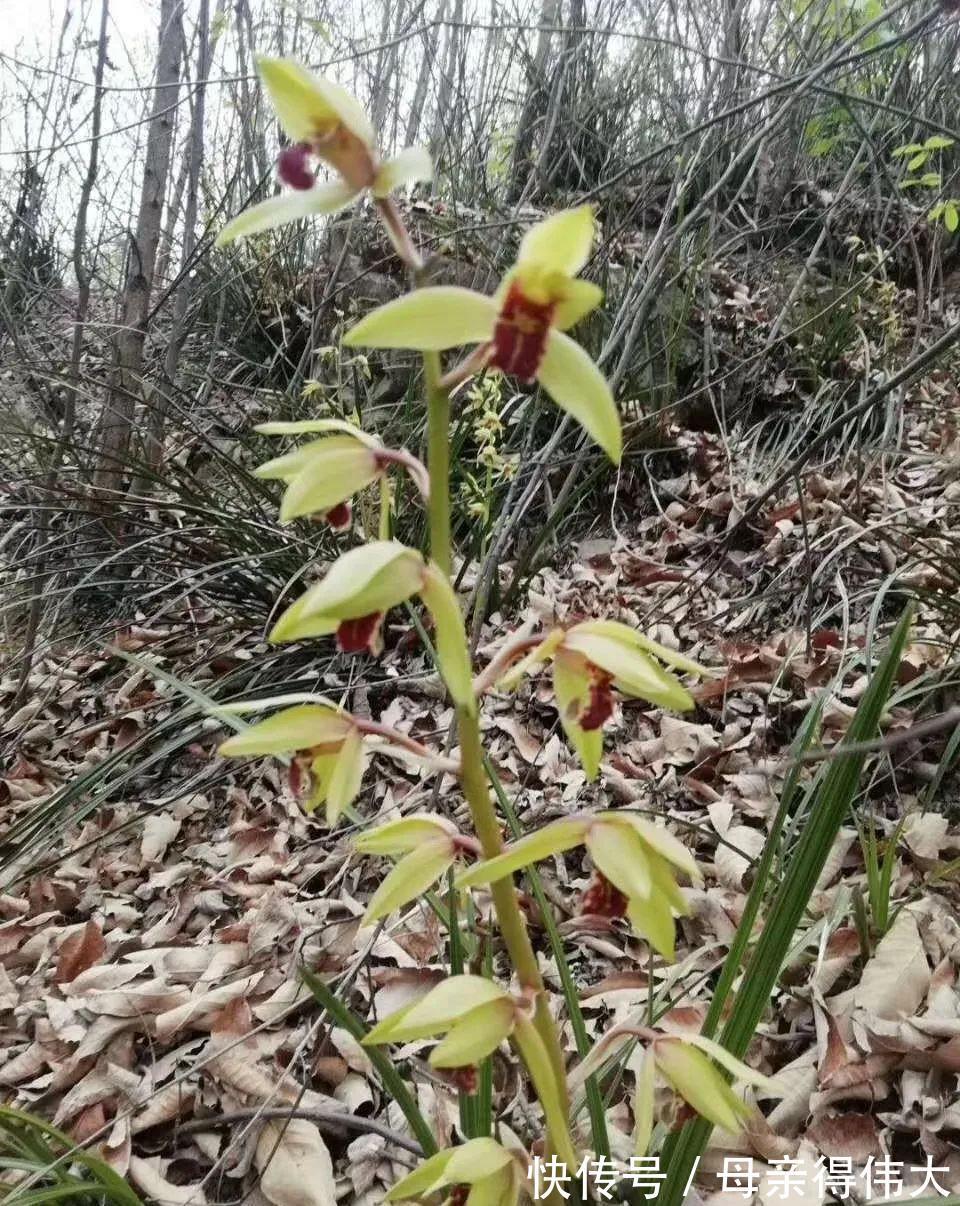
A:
[(520, 336), (602, 899), (293, 166), (339, 517), (459, 1195), (600, 705), (299, 776), (465, 1078), (361, 635)]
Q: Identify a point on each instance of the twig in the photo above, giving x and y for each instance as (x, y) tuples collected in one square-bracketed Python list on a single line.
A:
[(350, 1122), (926, 728)]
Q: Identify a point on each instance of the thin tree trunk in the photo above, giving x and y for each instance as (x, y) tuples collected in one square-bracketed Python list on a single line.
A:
[(154, 449), (83, 275), (117, 418)]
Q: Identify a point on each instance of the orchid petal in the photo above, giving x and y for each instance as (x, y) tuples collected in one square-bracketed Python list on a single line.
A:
[(407, 167), (432, 319), (316, 426), (475, 1036), (551, 839), (541, 653), (737, 1068), (497, 1189), (307, 106), (423, 1181), (635, 672), (643, 1104), (295, 624), (437, 1011), (619, 855), (636, 640), (577, 386), (288, 465), (577, 300), (699, 1083), (651, 918), (298, 728), (477, 1159), (328, 477), (397, 837), (347, 774), (660, 839), (453, 657), (562, 243), (571, 687), (321, 773), (286, 208), (410, 878)]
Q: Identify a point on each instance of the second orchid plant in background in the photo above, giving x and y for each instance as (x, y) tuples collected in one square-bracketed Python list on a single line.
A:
[(521, 330)]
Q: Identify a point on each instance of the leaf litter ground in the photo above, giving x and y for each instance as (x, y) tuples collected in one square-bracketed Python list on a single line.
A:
[(149, 998)]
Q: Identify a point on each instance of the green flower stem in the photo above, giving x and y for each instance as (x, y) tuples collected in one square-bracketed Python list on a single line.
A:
[(438, 459), (473, 779)]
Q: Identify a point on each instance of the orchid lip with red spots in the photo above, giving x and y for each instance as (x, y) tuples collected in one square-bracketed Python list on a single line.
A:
[(520, 336)]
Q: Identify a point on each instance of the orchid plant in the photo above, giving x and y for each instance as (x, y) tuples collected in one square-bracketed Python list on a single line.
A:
[(521, 331)]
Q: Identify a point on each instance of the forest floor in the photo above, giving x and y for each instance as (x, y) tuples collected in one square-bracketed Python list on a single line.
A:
[(149, 968)]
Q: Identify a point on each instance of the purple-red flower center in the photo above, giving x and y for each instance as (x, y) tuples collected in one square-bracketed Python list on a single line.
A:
[(339, 517), (465, 1078), (600, 704), (520, 336), (602, 899), (293, 166), (361, 635)]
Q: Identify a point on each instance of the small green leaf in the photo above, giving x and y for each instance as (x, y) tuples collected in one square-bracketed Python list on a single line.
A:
[(951, 216), (937, 142), (909, 148), (917, 161)]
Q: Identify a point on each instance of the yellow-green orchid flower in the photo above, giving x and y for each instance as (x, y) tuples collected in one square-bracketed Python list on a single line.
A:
[(589, 661), (634, 861), (361, 586), (494, 1176), (321, 477), (688, 1064), (323, 122), (429, 846), (475, 1016), (329, 754), (521, 328)]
